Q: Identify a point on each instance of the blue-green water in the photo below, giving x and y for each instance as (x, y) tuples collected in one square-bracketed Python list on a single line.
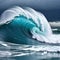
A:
[(44, 51), (10, 51), (28, 36)]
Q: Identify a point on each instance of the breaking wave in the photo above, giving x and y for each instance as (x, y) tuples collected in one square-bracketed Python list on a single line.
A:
[(29, 30), (37, 22)]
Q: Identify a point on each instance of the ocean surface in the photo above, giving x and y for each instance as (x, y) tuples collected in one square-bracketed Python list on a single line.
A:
[(44, 51)]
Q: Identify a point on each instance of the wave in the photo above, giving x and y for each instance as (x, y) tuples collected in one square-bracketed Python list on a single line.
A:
[(24, 25)]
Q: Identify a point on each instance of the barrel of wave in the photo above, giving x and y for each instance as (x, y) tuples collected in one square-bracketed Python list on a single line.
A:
[(43, 34)]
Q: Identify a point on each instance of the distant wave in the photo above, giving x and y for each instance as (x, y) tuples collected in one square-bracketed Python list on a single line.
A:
[(55, 24)]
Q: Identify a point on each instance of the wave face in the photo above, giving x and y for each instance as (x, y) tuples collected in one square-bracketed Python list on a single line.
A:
[(25, 34), (25, 26)]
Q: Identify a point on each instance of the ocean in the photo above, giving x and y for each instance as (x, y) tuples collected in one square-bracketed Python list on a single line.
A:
[(28, 36), (44, 51)]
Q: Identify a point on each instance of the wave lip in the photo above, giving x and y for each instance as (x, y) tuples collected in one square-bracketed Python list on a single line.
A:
[(30, 25)]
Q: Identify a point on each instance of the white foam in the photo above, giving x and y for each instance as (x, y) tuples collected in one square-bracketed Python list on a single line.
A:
[(37, 17)]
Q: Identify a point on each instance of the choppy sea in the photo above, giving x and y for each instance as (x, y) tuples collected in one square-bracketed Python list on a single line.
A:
[(11, 51)]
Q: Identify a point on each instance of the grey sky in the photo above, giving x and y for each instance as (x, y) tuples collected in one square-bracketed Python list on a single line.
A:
[(43, 4)]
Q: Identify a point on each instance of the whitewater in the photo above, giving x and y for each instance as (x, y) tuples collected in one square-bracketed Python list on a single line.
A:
[(28, 30)]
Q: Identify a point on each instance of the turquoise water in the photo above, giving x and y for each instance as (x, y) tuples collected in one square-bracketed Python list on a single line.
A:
[(43, 51), (28, 36)]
